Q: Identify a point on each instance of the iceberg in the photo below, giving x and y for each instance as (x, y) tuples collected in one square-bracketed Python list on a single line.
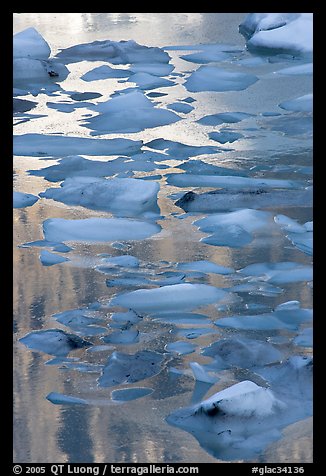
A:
[(30, 44), (97, 230), (301, 236), (212, 78), (279, 32), (150, 81), (175, 297), (180, 347), (181, 151), (121, 196), (61, 399)]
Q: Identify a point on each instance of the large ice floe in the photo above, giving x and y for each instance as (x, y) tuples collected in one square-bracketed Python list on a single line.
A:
[(218, 200), (32, 68), (176, 297), (238, 422), (126, 113), (121, 196), (212, 78), (97, 230), (42, 145), (279, 32)]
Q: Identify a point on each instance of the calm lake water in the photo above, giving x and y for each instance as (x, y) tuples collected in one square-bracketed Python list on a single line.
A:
[(136, 431)]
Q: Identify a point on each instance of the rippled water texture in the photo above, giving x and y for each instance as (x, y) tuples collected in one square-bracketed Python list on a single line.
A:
[(67, 406)]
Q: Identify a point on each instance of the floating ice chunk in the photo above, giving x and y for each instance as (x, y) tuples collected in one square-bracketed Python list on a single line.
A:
[(224, 117), (180, 347), (122, 337), (67, 107), (235, 423), (206, 56), (201, 374), (241, 352), (115, 52), (300, 104), (22, 200), (199, 167), (76, 166), (257, 289), (85, 96), (182, 318), (234, 229), (181, 107), (300, 69), (30, 44), (105, 72), (300, 235), (305, 338), (81, 321), (279, 319), (126, 261), (205, 267), (194, 332), (130, 368), (38, 145), (60, 247), (218, 200), (149, 81), (156, 69), (97, 229), (279, 273), (211, 78), (225, 136), (61, 399), (125, 317), (22, 105), (122, 196), (53, 342), (49, 259), (175, 297), (126, 113), (275, 32), (288, 224), (193, 180), (179, 150), (249, 220), (29, 70), (128, 394)]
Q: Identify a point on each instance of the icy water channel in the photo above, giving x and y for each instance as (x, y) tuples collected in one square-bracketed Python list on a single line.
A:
[(224, 280)]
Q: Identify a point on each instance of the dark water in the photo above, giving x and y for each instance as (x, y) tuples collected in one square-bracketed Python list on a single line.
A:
[(136, 431)]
